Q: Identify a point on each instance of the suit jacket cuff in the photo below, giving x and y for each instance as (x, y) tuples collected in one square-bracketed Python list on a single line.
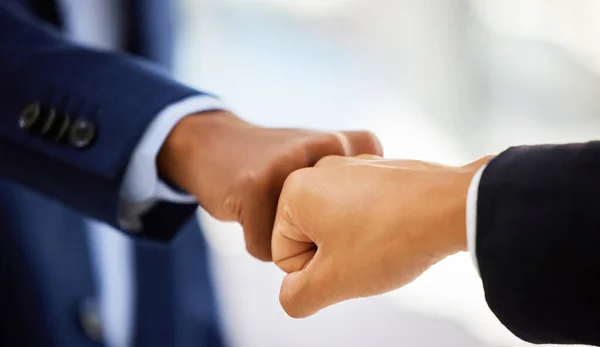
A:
[(142, 188)]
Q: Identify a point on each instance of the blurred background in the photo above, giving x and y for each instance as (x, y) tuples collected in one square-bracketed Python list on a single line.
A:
[(441, 80)]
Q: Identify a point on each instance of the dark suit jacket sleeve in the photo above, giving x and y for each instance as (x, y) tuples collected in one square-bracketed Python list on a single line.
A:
[(538, 241), (118, 94)]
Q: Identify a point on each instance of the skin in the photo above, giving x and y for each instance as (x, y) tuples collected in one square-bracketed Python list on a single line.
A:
[(236, 170), (357, 227)]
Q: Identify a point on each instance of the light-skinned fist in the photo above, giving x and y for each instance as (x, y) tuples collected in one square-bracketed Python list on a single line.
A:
[(357, 227)]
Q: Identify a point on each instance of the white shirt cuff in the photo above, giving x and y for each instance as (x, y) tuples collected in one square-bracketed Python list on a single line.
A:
[(141, 188), (472, 215)]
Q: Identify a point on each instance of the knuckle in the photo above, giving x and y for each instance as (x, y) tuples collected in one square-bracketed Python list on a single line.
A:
[(296, 181), (246, 184), (339, 143), (232, 209), (297, 190), (368, 156), (287, 215), (330, 143), (259, 251), (331, 160), (298, 155), (258, 242), (374, 143), (284, 219), (249, 179)]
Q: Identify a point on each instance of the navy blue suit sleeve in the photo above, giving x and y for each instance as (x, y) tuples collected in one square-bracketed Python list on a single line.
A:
[(119, 94), (538, 241)]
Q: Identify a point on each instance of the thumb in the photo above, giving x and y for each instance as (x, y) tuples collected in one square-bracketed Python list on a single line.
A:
[(306, 292)]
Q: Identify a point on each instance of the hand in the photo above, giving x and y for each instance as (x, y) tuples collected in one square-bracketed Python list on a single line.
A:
[(356, 227), (236, 170)]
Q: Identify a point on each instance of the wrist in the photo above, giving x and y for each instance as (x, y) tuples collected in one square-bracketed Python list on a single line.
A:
[(464, 177), (194, 139), (454, 186)]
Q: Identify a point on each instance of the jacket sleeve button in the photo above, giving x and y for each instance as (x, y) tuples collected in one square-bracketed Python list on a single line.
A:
[(89, 319), (30, 117), (82, 133)]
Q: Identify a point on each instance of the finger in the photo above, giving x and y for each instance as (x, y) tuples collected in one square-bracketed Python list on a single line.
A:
[(360, 142), (326, 144), (291, 248), (368, 157), (348, 143), (260, 209), (336, 160), (258, 227), (333, 160), (311, 285), (258, 216), (306, 292)]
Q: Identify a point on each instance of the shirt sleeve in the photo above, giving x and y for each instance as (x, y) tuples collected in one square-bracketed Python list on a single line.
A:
[(472, 215), (142, 188)]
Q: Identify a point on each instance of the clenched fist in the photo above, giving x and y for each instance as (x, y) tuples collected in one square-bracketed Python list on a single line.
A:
[(356, 227), (236, 170)]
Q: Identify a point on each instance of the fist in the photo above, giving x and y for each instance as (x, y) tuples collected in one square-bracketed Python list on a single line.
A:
[(236, 170), (356, 227)]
